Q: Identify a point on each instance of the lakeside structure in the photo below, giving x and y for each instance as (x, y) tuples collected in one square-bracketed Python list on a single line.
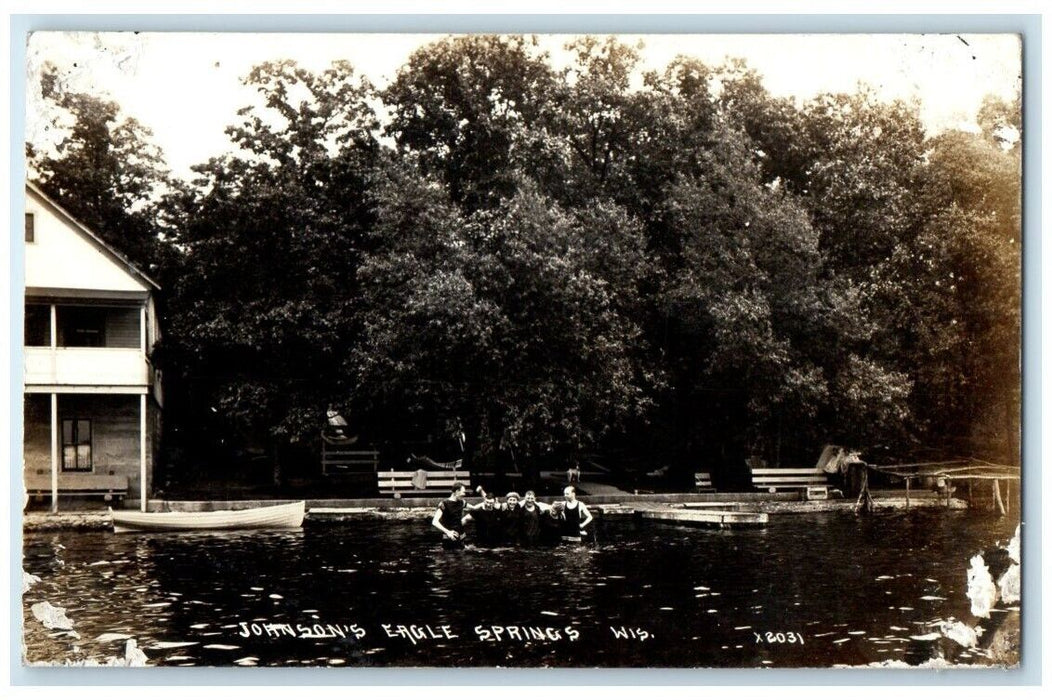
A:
[(92, 409)]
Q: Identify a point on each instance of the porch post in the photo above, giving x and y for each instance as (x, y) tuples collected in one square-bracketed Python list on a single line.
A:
[(142, 329), (142, 452), (54, 417), (54, 452)]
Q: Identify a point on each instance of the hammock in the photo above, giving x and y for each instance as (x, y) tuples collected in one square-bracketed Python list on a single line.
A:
[(835, 459), (427, 461), (338, 436)]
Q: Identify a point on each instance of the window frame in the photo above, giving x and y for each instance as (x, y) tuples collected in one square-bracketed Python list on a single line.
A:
[(79, 324), (76, 442), (43, 312)]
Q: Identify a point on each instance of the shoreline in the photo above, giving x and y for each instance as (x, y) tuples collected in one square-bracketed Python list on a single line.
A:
[(325, 511)]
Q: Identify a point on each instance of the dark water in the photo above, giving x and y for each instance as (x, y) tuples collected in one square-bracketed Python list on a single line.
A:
[(811, 590)]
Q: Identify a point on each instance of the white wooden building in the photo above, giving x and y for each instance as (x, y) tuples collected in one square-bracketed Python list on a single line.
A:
[(92, 409)]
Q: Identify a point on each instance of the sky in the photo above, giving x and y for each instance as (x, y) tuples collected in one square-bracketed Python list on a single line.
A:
[(186, 87)]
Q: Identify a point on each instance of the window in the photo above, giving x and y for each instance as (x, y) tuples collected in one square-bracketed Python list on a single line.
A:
[(38, 325), (76, 445), (81, 327), (98, 326), (30, 231)]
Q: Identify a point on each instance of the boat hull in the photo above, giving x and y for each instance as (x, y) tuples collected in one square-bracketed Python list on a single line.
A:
[(287, 516)]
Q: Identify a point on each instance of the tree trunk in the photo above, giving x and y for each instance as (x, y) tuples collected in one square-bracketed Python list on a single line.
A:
[(277, 475), (472, 430), (998, 504)]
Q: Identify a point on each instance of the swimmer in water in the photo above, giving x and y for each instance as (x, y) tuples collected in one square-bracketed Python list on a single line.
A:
[(510, 518), (531, 519), (573, 516), (450, 518), (487, 518)]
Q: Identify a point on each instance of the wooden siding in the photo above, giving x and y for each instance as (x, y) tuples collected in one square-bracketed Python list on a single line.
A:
[(80, 370), (64, 257), (36, 435), (122, 328), (115, 434)]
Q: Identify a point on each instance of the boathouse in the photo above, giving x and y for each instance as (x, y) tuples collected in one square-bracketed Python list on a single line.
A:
[(92, 408)]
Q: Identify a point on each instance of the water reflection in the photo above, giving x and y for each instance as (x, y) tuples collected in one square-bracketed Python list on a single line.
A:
[(809, 590)]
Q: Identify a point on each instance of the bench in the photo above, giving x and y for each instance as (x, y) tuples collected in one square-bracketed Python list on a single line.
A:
[(108, 486), (336, 460), (703, 481), (814, 485), (399, 483)]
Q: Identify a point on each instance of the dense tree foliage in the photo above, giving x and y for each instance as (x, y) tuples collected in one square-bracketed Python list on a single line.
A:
[(263, 300), (510, 318), (675, 267), (464, 109), (951, 298), (104, 170)]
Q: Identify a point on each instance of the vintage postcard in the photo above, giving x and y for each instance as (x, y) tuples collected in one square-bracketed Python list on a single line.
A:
[(682, 351)]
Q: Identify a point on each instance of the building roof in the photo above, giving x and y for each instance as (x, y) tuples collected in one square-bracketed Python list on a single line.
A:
[(102, 246)]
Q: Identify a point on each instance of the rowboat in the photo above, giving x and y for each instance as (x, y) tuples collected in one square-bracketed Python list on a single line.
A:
[(288, 516)]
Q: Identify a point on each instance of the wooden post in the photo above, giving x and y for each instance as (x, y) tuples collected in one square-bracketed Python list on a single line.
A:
[(142, 332), (55, 425), (54, 452), (864, 504), (142, 453), (907, 492), (997, 506)]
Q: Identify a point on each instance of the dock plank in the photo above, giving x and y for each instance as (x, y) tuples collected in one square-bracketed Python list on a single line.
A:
[(717, 518)]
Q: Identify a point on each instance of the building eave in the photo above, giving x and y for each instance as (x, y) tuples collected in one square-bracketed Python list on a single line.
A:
[(102, 296), (92, 238)]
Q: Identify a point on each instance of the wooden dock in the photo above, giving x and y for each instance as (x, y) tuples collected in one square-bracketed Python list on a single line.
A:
[(706, 518), (949, 474), (712, 505)]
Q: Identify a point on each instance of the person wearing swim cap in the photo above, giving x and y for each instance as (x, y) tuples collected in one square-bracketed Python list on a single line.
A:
[(510, 517)]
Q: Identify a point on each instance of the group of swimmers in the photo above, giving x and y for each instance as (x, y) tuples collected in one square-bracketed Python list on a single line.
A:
[(528, 522)]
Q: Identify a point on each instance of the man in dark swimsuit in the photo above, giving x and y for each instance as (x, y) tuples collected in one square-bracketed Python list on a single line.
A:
[(450, 518), (487, 518), (510, 518), (531, 519), (573, 516)]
